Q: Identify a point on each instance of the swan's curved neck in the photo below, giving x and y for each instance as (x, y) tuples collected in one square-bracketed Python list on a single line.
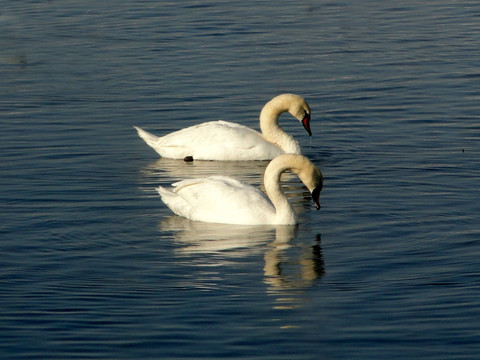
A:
[(272, 132), (284, 211)]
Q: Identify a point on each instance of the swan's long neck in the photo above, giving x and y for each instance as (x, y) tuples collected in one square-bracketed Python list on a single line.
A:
[(284, 211), (271, 130)]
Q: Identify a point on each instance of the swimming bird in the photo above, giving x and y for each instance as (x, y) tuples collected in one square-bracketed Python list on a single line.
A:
[(223, 140), (223, 199)]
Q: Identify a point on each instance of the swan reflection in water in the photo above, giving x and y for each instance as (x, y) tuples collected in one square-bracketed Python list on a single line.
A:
[(288, 268), (305, 269)]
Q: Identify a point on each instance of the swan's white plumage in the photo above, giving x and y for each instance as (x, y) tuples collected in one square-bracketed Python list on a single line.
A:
[(222, 140), (222, 199), (218, 199), (214, 140)]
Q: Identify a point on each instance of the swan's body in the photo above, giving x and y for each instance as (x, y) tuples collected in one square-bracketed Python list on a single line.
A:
[(222, 140), (223, 199)]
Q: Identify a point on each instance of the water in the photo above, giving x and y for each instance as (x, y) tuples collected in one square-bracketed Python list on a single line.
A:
[(94, 265)]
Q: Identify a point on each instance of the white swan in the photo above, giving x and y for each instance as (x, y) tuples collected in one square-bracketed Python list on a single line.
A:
[(222, 140), (223, 199)]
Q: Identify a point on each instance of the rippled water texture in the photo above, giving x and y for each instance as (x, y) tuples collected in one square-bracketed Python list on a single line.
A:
[(95, 266)]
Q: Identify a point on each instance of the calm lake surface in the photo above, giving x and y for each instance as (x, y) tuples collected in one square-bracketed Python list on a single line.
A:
[(94, 266)]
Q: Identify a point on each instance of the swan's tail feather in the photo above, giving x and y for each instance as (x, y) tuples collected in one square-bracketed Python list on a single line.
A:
[(163, 191), (167, 196), (150, 139), (174, 202)]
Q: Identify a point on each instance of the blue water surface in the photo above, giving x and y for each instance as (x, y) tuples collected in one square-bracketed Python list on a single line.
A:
[(95, 266)]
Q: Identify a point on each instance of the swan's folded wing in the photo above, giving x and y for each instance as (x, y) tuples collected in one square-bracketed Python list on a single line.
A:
[(218, 140), (218, 199)]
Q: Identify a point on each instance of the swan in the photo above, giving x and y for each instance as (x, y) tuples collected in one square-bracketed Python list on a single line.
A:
[(223, 199), (222, 140)]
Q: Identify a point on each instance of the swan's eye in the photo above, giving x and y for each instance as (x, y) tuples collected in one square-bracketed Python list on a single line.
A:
[(306, 115)]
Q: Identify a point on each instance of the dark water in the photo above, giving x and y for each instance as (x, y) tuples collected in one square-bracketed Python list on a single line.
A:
[(93, 264)]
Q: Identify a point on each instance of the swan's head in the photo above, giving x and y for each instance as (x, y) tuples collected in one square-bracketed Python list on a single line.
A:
[(294, 104), (310, 174), (313, 180), (299, 108)]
